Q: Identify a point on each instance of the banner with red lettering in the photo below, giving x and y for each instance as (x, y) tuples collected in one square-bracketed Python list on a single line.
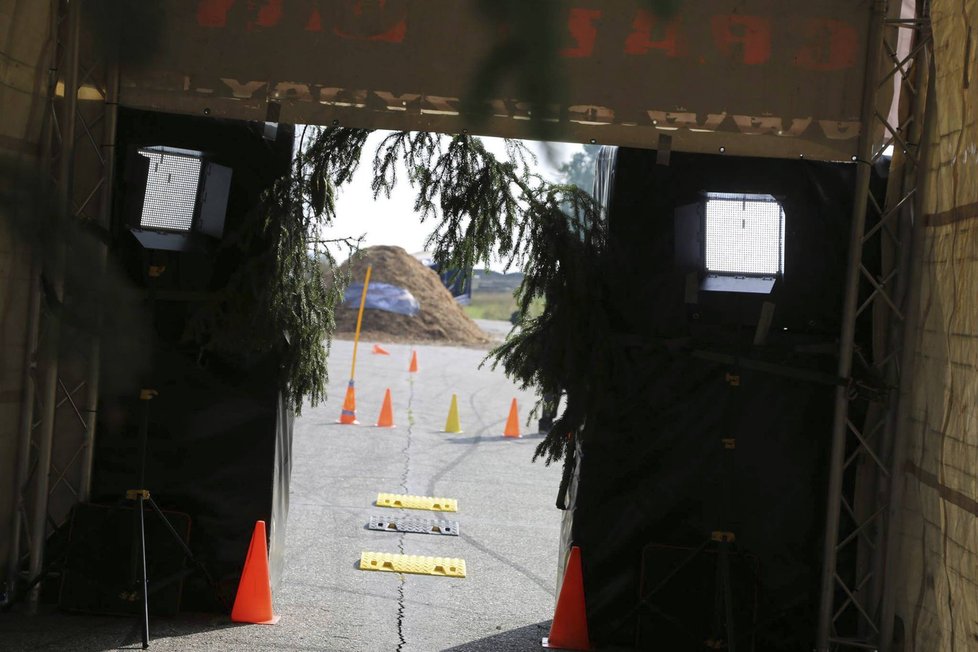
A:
[(744, 77)]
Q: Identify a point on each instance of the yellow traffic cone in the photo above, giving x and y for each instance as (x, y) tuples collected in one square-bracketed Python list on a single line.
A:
[(452, 424)]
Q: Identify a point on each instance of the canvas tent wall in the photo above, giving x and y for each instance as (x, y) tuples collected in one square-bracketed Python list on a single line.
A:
[(937, 602), (25, 39)]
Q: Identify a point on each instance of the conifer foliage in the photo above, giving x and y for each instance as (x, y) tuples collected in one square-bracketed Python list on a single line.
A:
[(566, 348), (479, 206)]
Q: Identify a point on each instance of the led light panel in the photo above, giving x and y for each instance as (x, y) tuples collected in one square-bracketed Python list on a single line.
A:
[(744, 236), (171, 191)]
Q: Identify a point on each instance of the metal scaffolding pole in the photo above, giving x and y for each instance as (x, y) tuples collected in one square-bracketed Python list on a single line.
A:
[(874, 49), (104, 219), (902, 425), (51, 338), (28, 378), (25, 428), (865, 474)]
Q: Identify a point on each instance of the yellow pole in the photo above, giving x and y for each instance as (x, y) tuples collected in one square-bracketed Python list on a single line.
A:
[(356, 336)]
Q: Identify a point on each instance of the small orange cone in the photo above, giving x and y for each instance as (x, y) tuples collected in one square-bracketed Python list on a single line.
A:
[(348, 415), (414, 362), (379, 350), (386, 418), (569, 628), (253, 602), (513, 422)]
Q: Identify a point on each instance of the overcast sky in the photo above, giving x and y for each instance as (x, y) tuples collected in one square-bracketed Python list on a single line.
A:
[(393, 221)]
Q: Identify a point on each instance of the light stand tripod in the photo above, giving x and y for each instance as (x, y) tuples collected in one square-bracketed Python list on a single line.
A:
[(142, 497), (721, 634), (723, 610)]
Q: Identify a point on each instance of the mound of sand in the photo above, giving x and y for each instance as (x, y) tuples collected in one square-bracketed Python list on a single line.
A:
[(440, 319)]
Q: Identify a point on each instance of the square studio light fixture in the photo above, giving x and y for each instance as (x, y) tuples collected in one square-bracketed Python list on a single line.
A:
[(732, 242), (179, 198), (744, 236), (171, 189)]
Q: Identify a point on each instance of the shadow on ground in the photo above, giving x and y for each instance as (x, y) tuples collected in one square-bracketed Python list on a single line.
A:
[(490, 439), (523, 639), (55, 630)]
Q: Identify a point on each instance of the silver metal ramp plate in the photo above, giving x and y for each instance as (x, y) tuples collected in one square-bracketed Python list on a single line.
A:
[(415, 525)]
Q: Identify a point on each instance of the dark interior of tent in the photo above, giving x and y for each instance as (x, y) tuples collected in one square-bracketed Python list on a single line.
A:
[(216, 425), (702, 474)]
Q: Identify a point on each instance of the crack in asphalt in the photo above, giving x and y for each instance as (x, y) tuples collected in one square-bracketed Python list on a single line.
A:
[(400, 539), (400, 615), (406, 451)]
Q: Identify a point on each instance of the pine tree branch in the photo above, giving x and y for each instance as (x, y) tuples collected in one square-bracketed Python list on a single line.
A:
[(480, 207)]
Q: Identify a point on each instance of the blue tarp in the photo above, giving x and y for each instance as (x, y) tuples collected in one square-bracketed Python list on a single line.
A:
[(382, 296)]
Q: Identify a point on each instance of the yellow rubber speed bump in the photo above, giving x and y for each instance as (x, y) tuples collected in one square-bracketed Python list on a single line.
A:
[(417, 502), (391, 563)]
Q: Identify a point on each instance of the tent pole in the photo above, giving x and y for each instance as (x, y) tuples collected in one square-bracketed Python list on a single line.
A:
[(874, 47), (52, 335), (907, 356), (104, 218)]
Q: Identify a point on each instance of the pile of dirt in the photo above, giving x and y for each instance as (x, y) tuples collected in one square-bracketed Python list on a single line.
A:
[(440, 319)]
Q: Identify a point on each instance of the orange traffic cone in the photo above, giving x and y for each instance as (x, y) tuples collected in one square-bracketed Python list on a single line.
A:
[(414, 362), (379, 350), (386, 418), (513, 422), (569, 628), (253, 602), (348, 415)]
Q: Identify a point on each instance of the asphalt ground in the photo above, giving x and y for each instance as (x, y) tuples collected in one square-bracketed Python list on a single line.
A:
[(508, 526)]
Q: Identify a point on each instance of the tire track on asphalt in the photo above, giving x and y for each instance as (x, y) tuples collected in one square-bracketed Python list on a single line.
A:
[(445, 385), (468, 449), (546, 586), (442, 383)]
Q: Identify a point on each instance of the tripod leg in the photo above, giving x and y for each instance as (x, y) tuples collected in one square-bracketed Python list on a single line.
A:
[(144, 578), (189, 553), (727, 597)]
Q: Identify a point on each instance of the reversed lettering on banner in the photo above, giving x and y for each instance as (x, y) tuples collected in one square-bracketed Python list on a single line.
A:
[(705, 68), (519, 110)]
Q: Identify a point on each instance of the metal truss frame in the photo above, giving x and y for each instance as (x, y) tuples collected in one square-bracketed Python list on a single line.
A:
[(61, 395), (856, 610)]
